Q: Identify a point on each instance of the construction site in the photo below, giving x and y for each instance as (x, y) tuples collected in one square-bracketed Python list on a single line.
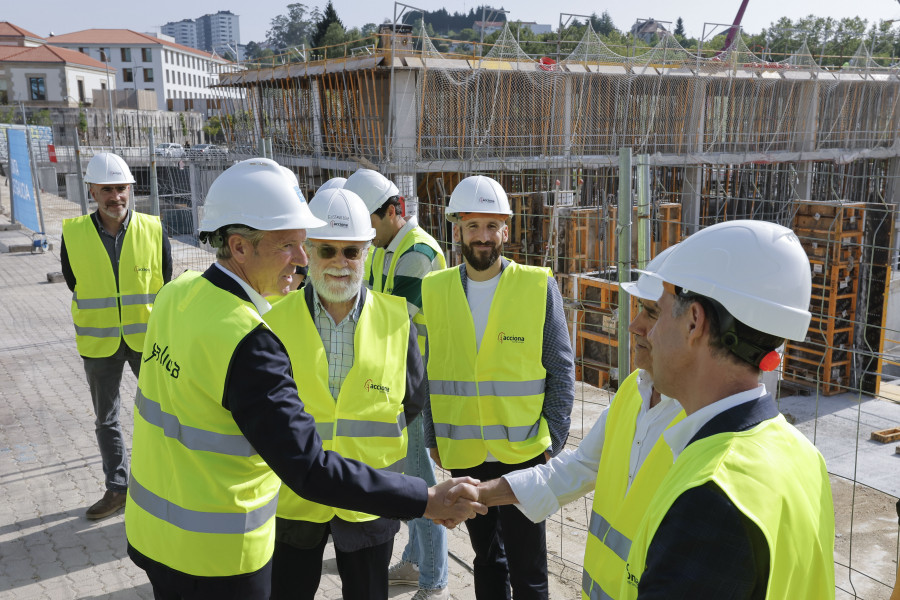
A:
[(608, 160)]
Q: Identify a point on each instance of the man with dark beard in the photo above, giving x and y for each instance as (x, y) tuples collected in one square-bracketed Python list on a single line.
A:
[(501, 378), (363, 382)]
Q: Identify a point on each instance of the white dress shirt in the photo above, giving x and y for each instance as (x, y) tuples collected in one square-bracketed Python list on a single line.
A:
[(544, 489), (262, 305)]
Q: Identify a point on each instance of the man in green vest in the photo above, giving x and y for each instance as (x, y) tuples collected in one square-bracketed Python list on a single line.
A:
[(746, 509), (219, 427), (501, 378), (403, 255), (622, 459), (114, 261), (363, 382)]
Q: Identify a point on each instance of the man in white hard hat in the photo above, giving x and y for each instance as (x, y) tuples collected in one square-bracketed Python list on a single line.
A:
[(404, 254), (623, 459), (746, 509), (363, 382), (501, 378), (114, 260), (218, 424)]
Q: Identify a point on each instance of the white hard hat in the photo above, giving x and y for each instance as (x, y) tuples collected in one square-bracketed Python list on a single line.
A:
[(106, 168), (373, 187), (334, 182), (647, 287), (477, 194), (344, 214), (756, 270), (259, 193)]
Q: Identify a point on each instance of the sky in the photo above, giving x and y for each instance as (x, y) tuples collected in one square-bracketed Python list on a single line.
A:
[(65, 16)]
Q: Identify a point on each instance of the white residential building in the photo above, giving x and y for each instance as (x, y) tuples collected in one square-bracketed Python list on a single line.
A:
[(41, 75), (146, 61)]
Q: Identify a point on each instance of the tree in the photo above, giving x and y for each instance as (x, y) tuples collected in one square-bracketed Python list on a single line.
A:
[(603, 25), (213, 128), (292, 29), (679, 27), (41, 117), (333, 39), (328, 18)]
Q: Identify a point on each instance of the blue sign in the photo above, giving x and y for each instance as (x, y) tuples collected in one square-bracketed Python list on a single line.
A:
[(23, 196)]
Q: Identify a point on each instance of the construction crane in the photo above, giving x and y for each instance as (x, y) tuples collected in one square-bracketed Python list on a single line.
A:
[(736, 26)]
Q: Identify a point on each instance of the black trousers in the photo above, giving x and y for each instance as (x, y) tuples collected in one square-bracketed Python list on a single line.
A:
[(296, 572), (510, 550), (169, 584)]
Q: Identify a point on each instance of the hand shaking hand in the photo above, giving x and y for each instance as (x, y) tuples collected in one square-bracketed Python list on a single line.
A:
[(453, 501)]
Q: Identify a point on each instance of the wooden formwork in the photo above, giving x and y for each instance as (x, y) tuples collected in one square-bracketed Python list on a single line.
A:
[(832, 235)]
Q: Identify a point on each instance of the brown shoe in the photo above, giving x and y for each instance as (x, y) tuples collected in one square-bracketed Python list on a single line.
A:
[(107, 505)]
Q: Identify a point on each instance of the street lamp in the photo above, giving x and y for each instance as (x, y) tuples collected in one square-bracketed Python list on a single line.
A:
[(104, 56)]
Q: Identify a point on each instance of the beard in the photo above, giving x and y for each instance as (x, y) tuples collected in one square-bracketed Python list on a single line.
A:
[(477, 261), (336, 291)]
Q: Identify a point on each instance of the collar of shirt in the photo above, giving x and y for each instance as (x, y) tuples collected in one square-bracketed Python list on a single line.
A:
[(678, 436), (645, 389), (99, 224), (318, 309), (262, 305), (411, 223)]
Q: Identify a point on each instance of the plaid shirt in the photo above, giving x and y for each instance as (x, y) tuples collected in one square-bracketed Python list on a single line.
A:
[(338, 341)]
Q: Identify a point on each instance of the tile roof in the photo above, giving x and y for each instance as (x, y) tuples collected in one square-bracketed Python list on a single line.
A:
[(7, 29), (48, 54), (121, 36)]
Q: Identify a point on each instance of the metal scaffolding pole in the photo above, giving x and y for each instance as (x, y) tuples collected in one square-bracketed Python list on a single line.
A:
[(623, 240)]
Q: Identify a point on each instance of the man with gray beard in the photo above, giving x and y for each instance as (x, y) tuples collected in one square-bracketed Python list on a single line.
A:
[(363, 381)]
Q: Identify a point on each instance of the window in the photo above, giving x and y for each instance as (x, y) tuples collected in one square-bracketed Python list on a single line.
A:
[(127, 75), (38, 88), (103, 86), (179, 77), (104, 55), (4, 92), (147, 54), (83, 50), (81, 90), (167, 76), (148, 75), (126, 54)]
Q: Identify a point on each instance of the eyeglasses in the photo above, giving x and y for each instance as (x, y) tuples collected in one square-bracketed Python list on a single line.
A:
[(325, 252)]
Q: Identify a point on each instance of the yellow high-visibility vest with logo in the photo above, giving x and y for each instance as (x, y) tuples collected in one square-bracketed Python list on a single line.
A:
[(366, 422), (374, 270), (200, 498), (490, 399), (777, 478), (616, 515), (102, 314)]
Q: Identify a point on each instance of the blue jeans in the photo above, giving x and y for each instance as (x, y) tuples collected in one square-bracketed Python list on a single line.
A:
[(427, 545), (104, 376)]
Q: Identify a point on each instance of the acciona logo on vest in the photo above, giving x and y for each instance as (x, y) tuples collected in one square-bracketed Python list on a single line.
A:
[(138, 269), (515, 339), (371, 385)]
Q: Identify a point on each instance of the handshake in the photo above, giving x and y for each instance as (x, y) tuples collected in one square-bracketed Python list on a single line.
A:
[(453, 501)]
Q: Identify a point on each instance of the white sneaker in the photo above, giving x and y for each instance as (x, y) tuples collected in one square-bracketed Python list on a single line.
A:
[(403, 573), (439, 594)]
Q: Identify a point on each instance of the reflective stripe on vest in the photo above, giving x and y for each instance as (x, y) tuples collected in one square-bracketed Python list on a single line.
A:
[(366, 422), (777, 478), (490, 399), (618, 508), (192, 438), (201, 500), (101, 312), (197, 521)]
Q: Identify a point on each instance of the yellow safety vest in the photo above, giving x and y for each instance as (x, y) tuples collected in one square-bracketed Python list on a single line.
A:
[(616, 514), (491, 399), (103, 315), (200, 498), (366, 422), (374, 269), (777, 478)]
